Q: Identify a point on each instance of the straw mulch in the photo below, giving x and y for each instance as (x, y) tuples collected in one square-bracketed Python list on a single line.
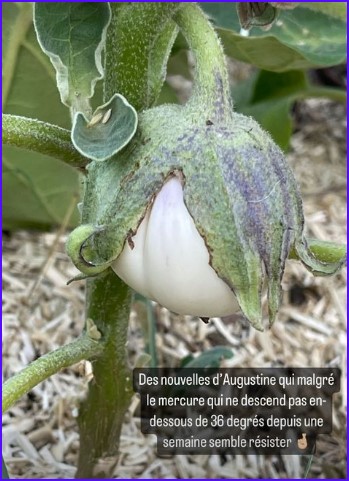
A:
[(41, 313)]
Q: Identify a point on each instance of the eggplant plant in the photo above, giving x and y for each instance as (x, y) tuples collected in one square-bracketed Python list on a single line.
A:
[(193, 206)]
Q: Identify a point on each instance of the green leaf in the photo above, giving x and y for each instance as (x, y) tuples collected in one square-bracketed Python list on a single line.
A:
[(167, 95), (30, 77), (73, 36), (37, 190), (300, 38), (29, 89), (111, 128), (333, 9), (178, 62), (177, 65), (210, 358), (274, 116), (268, 97), (271, 85)]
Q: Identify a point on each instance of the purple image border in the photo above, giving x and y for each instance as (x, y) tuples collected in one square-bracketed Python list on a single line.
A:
[(132, 1)]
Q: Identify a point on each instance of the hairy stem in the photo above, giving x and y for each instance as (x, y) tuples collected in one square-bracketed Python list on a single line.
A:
[(211, 83), (139, 41), (41, 137), (83, 348), (101, 414)]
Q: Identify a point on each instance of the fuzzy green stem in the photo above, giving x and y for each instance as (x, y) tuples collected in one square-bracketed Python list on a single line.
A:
[(211, 83), (139, 41), (83, 348), (102, 413), (327, 252), (42, 138)]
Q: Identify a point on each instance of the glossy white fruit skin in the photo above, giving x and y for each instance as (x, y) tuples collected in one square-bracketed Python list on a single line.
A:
[(170, 262)]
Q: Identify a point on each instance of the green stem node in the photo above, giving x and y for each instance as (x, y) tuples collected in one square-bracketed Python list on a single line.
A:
[(139, 41)]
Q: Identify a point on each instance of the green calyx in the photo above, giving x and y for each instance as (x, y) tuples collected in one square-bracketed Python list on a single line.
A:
[(237, 186)]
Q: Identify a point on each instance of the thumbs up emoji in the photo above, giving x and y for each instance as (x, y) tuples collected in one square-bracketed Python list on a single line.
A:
[(302, 442)]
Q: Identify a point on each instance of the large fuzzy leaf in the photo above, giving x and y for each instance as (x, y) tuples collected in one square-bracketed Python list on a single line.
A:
[(37, 190), (300, 38), (73, 36), (29, 89)]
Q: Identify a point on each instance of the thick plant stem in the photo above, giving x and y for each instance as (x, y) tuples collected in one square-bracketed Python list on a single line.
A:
[(139, 41), (211, 83), (42, 138), (83, 348), (102, 413)]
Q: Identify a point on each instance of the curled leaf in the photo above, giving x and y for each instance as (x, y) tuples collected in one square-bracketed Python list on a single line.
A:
[(110, 129), (78, 250), (314, 264), (73, 36)]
